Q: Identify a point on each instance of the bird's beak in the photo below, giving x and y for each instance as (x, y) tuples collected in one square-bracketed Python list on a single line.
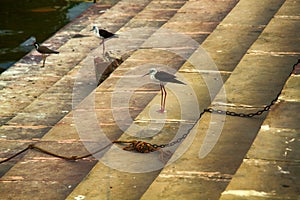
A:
[(146, 74), (92, 29)]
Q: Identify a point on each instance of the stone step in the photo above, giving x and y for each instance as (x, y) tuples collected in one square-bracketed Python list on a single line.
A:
[(55, 140), (79, 131), (164, 52), (26, 80), (34, 99), (270, 170), (113, 181), (217, 144), (37, 118)]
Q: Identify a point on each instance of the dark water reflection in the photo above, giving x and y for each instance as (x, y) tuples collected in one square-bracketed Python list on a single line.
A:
[(21, 19)]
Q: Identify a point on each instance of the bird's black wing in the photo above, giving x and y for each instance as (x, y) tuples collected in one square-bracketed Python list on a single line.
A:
[(105, 33), (166, 77), (176, 81), (46, 50)]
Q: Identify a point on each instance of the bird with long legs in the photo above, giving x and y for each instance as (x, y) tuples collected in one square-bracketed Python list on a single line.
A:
[(103, 34), (44, 51), (163, 78)]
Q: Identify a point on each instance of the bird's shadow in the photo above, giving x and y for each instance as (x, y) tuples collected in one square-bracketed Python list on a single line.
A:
[(80, 36)]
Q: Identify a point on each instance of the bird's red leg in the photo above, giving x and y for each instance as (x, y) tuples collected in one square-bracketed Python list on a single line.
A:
[(165, 97), (161, 98)]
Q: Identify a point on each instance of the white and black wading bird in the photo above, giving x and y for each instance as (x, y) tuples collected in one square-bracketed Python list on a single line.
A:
[(163, 78), (103, 34), (44, 51)]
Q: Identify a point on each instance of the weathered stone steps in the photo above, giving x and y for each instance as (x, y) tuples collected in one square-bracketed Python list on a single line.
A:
[(42, 96), (219, 143), (270, 170), (191, 176), (67, 143)]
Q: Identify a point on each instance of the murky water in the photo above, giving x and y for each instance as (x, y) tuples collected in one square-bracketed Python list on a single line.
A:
[(22, 19)]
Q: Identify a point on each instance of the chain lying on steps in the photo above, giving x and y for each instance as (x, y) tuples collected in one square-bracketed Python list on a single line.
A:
[(259, 112), (138, 146), (36, 148), (145, 147), (231, 113)]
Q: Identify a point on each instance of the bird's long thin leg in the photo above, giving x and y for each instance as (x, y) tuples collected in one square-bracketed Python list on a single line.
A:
[(103, 46), (165, 97), (44, 59), (161, 98)]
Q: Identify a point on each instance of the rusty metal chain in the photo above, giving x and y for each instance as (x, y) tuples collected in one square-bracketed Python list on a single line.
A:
[(179, 140), (144, 147), (259, 112), (138, 146), (249, 115), (36, 148)]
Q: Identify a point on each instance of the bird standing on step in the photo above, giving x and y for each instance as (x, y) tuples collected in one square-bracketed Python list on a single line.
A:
[(163, 78), (44, 51), (103, 34)]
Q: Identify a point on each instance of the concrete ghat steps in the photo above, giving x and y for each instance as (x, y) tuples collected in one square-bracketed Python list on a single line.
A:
[(270, 170), (105, 182), (62, 182), (142, 56), (267, 173), (34, 99), (51, 104), (192, 182)]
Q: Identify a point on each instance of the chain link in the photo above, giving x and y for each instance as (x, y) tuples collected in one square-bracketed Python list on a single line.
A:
[(179, 140), (232, 113), (36, 148)]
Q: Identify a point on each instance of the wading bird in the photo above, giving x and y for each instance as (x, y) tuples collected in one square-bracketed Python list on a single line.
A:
[(103, 34), (44, 51), (163, 78)]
